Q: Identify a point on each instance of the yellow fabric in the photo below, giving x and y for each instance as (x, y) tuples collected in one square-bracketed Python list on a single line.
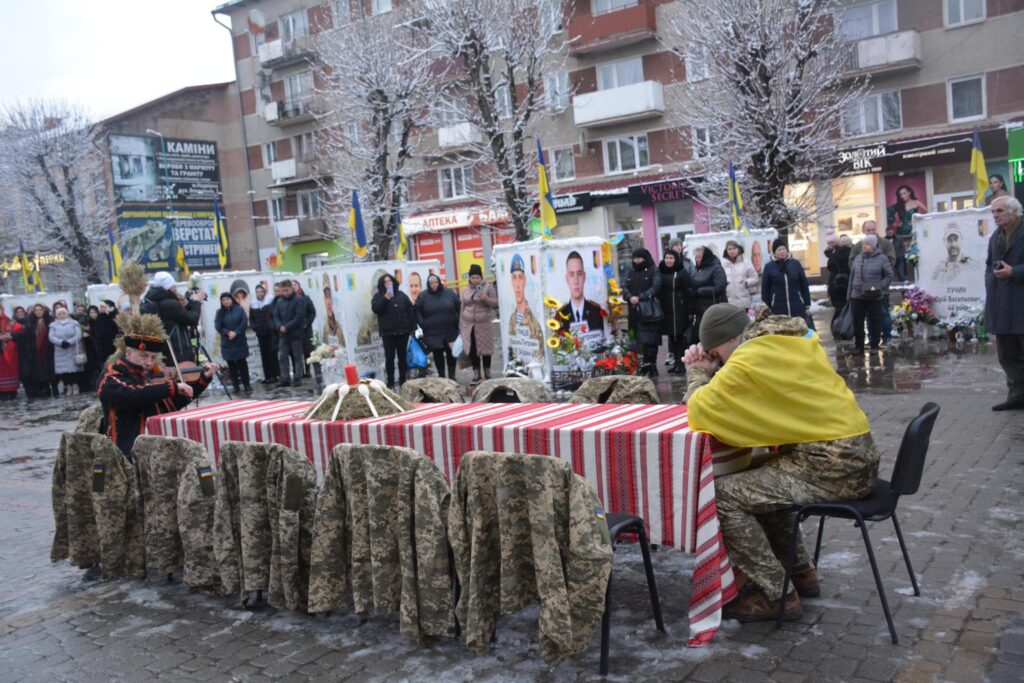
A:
[(776, 390)]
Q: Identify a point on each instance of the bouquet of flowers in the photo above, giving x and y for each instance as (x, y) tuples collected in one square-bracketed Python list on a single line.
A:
[(566, 343), (618, 362), (324, 352), (916, 307)]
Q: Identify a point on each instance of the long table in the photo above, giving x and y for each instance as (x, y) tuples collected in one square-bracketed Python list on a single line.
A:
[(640, 459)]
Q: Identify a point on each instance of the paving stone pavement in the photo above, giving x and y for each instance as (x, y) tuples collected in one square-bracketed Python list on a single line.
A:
[(963, 529)]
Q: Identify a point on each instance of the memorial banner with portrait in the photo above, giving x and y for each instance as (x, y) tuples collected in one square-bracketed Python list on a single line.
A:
[(242, 286), (27, 301), (952, 247), (757, 246), (519, 281)]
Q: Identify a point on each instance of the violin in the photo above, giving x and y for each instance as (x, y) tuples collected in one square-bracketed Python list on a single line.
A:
[(186, 371)]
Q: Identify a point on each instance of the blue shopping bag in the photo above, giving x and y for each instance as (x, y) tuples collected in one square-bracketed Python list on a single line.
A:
[(416, 355)]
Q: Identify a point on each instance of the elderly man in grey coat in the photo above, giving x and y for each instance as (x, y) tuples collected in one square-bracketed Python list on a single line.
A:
[(1004, 296)]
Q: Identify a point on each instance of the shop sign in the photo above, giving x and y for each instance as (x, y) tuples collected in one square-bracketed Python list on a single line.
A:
[(917, 154), (571, 203), (654, 193), (862, 159), (450, 220)]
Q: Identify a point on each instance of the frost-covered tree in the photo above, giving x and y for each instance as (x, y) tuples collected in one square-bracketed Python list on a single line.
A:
[(499, 53), (52, 171), (378, 88), (777, 86)]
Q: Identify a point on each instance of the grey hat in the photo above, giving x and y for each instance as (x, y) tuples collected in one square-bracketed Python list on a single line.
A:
[(721, 323), (871, 239)]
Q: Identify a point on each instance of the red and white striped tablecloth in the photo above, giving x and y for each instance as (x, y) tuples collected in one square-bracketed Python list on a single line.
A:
[(641, 460)]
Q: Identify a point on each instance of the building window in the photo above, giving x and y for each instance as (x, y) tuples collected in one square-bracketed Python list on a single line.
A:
[(341, 12), (316, 260), (696, 63), (304, 146), (258, 39), (704, 142), (619, 74), (563, 164), (627, 153), (293, 25), (555, 16), (269, 153), (556, 90), (450, 111), (277, 209), (455, 181), (605, 6), (870, 19), (298, 89), (309, 204), (966, 98), (962, 12), (381, 6), (352, 132), (503, 100), (875, 113)]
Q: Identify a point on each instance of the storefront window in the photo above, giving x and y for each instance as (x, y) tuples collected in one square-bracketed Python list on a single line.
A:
[(675, 220), (803, 237), (625, 226), (568, 226), (856, 200)]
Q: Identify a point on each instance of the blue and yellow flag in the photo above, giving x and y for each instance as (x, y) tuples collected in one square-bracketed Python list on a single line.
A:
[(355, 223), (33, 282), (280, 252), (979, 171), (736, 202), (548, 218), (401, 242), (182, 262), (222, 235), (113, 257)]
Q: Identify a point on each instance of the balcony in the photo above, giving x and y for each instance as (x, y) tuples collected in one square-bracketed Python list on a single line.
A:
[(289, 112), (283, 170), (888, 53), (300, 228), (280, 53), (618, 105), (458, 135), (590, 34)]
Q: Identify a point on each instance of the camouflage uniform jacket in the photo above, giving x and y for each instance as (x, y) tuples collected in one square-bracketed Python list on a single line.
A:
[(263, 521), (526, 529), (75, 537), (846, 468), (178, 489), (617, 389), (381, 531), (129, 396)]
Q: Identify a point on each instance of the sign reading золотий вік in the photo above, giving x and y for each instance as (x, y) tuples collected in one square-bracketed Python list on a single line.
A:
[(148, 170), (152, 237)]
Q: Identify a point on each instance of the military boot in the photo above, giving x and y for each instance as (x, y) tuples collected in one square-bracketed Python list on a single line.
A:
[(753, 605), (806, 583)]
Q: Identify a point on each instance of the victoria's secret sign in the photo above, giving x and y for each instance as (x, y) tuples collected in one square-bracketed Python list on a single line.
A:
[(655, 193)]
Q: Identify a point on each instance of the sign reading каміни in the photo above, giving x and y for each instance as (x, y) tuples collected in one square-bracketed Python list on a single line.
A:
[(148, 169), (152, 236)]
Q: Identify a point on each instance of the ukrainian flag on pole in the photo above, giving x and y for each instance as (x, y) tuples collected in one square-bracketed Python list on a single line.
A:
[(736, 202), (401, 242), (222, 235), (113, 257), (979, 171), (548, 218), (182, 262), (355, 223), (32, 281)]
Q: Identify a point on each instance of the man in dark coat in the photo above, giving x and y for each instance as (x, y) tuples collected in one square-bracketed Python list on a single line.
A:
[(1004, 296), (180, 320), (838, 266), (396, 320), (260, 318), (643, 284), (290, 322), (784, 285), (104, 332), (579, 310)]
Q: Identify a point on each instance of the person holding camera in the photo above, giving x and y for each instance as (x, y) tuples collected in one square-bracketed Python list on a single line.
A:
[(872, 272), (180, 317), (396, 320), (1004, 296)]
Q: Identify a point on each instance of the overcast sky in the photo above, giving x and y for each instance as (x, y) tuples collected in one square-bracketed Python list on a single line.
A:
[(109, 55)]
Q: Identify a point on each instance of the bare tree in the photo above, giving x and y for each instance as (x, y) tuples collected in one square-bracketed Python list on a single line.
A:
[(52, 170), (499, 53), (777, 87), (379, 86)]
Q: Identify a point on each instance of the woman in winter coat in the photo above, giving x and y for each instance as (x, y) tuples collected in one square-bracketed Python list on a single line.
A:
[(437, 313), (872, 273), (838, 266), (41, 377), (784, 286), (741, 278), (260, 312), (396, 320), (709, 283), (643, 284), (675, 304), (65, 334), (103, 332), (231, 323), (476, 323)]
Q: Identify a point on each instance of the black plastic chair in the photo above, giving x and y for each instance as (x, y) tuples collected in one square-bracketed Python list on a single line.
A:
[(878, 506), (619, 524)]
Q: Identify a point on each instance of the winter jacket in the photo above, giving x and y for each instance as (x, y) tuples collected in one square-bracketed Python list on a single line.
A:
[(675, 300), (526, 529), (870, 270), (40, 349), (232, 319), (309, 317), (260, 314), (263, 521), (104, 331), (437, 313), (178, 319), (178, 488), (741, 279), (709, 283), (884, 246), (395, 316), (838, 265), (644, 283), (477, 318), (381, 532), (1004, 299), (784, 288), (290, 313), (65, 336)]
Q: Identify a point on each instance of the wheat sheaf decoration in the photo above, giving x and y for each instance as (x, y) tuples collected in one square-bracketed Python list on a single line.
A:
[(133, 282)]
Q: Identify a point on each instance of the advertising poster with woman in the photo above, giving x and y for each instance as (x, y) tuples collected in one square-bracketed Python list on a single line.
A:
[(953, 246), (520, 303)]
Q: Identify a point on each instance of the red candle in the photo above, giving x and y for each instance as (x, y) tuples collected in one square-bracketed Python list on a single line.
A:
[(351, 375)]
